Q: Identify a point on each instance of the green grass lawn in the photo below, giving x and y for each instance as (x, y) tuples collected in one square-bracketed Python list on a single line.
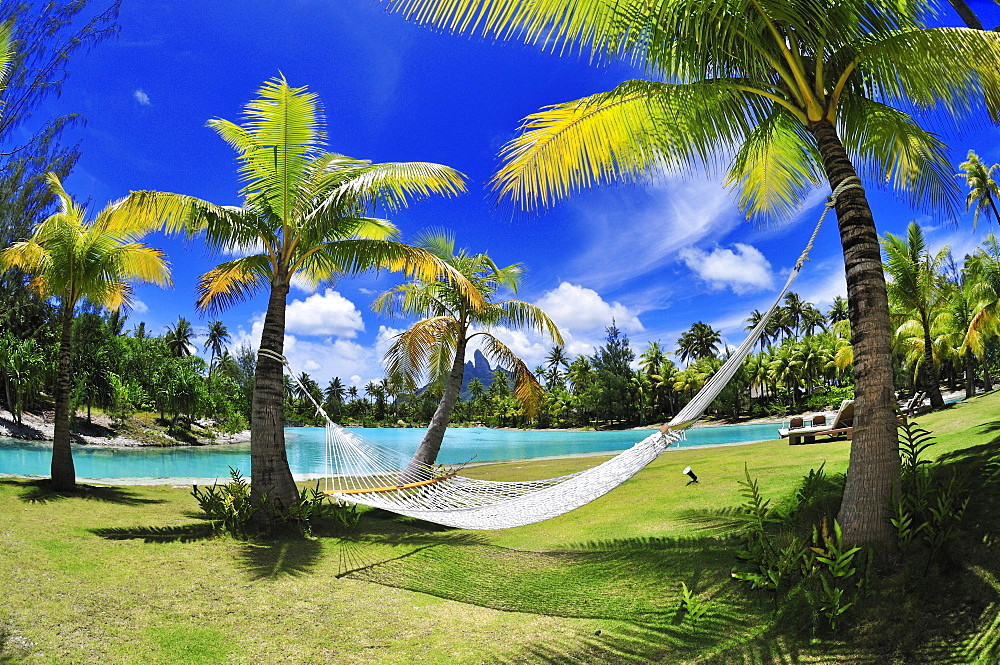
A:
[(134, 575)]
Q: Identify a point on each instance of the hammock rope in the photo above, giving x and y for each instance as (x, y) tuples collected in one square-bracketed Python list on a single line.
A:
[(363, 472)]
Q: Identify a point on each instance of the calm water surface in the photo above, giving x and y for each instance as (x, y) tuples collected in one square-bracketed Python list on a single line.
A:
[(305, 450)]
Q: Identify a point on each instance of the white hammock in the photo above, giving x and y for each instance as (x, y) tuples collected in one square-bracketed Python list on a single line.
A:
[(362, 472)]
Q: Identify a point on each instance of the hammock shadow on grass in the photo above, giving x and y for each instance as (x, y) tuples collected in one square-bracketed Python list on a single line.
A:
[(625, 590), (39, 491)]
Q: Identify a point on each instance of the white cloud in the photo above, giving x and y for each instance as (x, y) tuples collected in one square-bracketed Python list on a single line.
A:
[(141, 97), (327, 313), (635, 235), (742, 269), (139, 307), (577, 308), (384, 339)]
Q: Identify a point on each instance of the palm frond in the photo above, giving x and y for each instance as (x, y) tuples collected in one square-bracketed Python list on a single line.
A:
[(527, 391), (639, 130), (520, 314), (392, 185), (776, 167), (958, 72), (410, 356), (596, 25), (233, 281), (360, 255), (891, 149), (143, 263)]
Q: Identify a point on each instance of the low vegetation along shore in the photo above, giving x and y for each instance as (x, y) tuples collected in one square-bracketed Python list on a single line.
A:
[(100, 430), (643, 574)]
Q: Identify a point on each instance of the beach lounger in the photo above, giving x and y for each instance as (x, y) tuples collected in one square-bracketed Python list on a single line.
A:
[(843, 423)]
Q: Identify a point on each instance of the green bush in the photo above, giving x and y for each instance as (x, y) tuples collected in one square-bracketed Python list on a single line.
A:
[(927, 510), (230, 508), (822, 576)]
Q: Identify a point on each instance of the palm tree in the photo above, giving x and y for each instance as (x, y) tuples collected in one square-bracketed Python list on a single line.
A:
[(73, 260), (811, 319), (983, 269), (701, 341), (839, 310), (983, 189), (652, 357), (334, 393), (352, 392), (802, 92), (765, 337), (305, 213), (215, 342), (793, 310), (179, 338), (916, 290), (554, 360), (436, 345)]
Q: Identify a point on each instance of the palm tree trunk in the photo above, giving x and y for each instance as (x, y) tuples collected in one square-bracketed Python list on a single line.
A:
[(431, 444), (874, 461), (63, 472), (987, 380), (931, 383), (969, 360), (269, 471)]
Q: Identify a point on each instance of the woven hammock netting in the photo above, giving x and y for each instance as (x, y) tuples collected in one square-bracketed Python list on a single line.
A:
[(362, 472)]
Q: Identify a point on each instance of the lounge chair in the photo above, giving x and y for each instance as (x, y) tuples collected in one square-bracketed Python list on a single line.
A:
[(843, 423)]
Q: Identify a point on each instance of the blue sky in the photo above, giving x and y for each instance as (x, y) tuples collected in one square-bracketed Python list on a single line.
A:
[(656, 258)]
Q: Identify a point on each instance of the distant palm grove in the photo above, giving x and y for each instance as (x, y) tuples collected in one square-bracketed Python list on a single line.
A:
[(945, 318)]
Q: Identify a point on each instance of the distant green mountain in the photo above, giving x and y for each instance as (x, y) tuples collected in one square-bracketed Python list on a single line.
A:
[(477, 368)]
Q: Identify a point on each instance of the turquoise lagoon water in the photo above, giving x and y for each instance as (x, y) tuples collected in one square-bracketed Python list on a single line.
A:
[(306, 459)]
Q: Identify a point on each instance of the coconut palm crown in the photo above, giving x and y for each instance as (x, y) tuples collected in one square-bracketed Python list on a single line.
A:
[(305, 213), (983, 189), (435, 346), (782, 95)]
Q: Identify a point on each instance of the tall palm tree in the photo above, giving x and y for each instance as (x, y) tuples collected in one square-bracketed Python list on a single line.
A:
[(917, 291), (701, 341), (436, 345), (802, 91), (179, 338), (811, 319), (556, 359), (72, 259), (983, 189), (652, 357), (838, 311), (334, 392), (306, 212), (983, 269), (755, 317), (794, 309), (216, 341)]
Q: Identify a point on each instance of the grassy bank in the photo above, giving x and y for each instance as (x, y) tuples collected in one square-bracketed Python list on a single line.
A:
[(133, 575)]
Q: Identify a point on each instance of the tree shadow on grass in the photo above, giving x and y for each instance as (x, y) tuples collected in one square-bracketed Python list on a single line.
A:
[(630, 588), (40, 491), (185, 533), (271, 560)]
